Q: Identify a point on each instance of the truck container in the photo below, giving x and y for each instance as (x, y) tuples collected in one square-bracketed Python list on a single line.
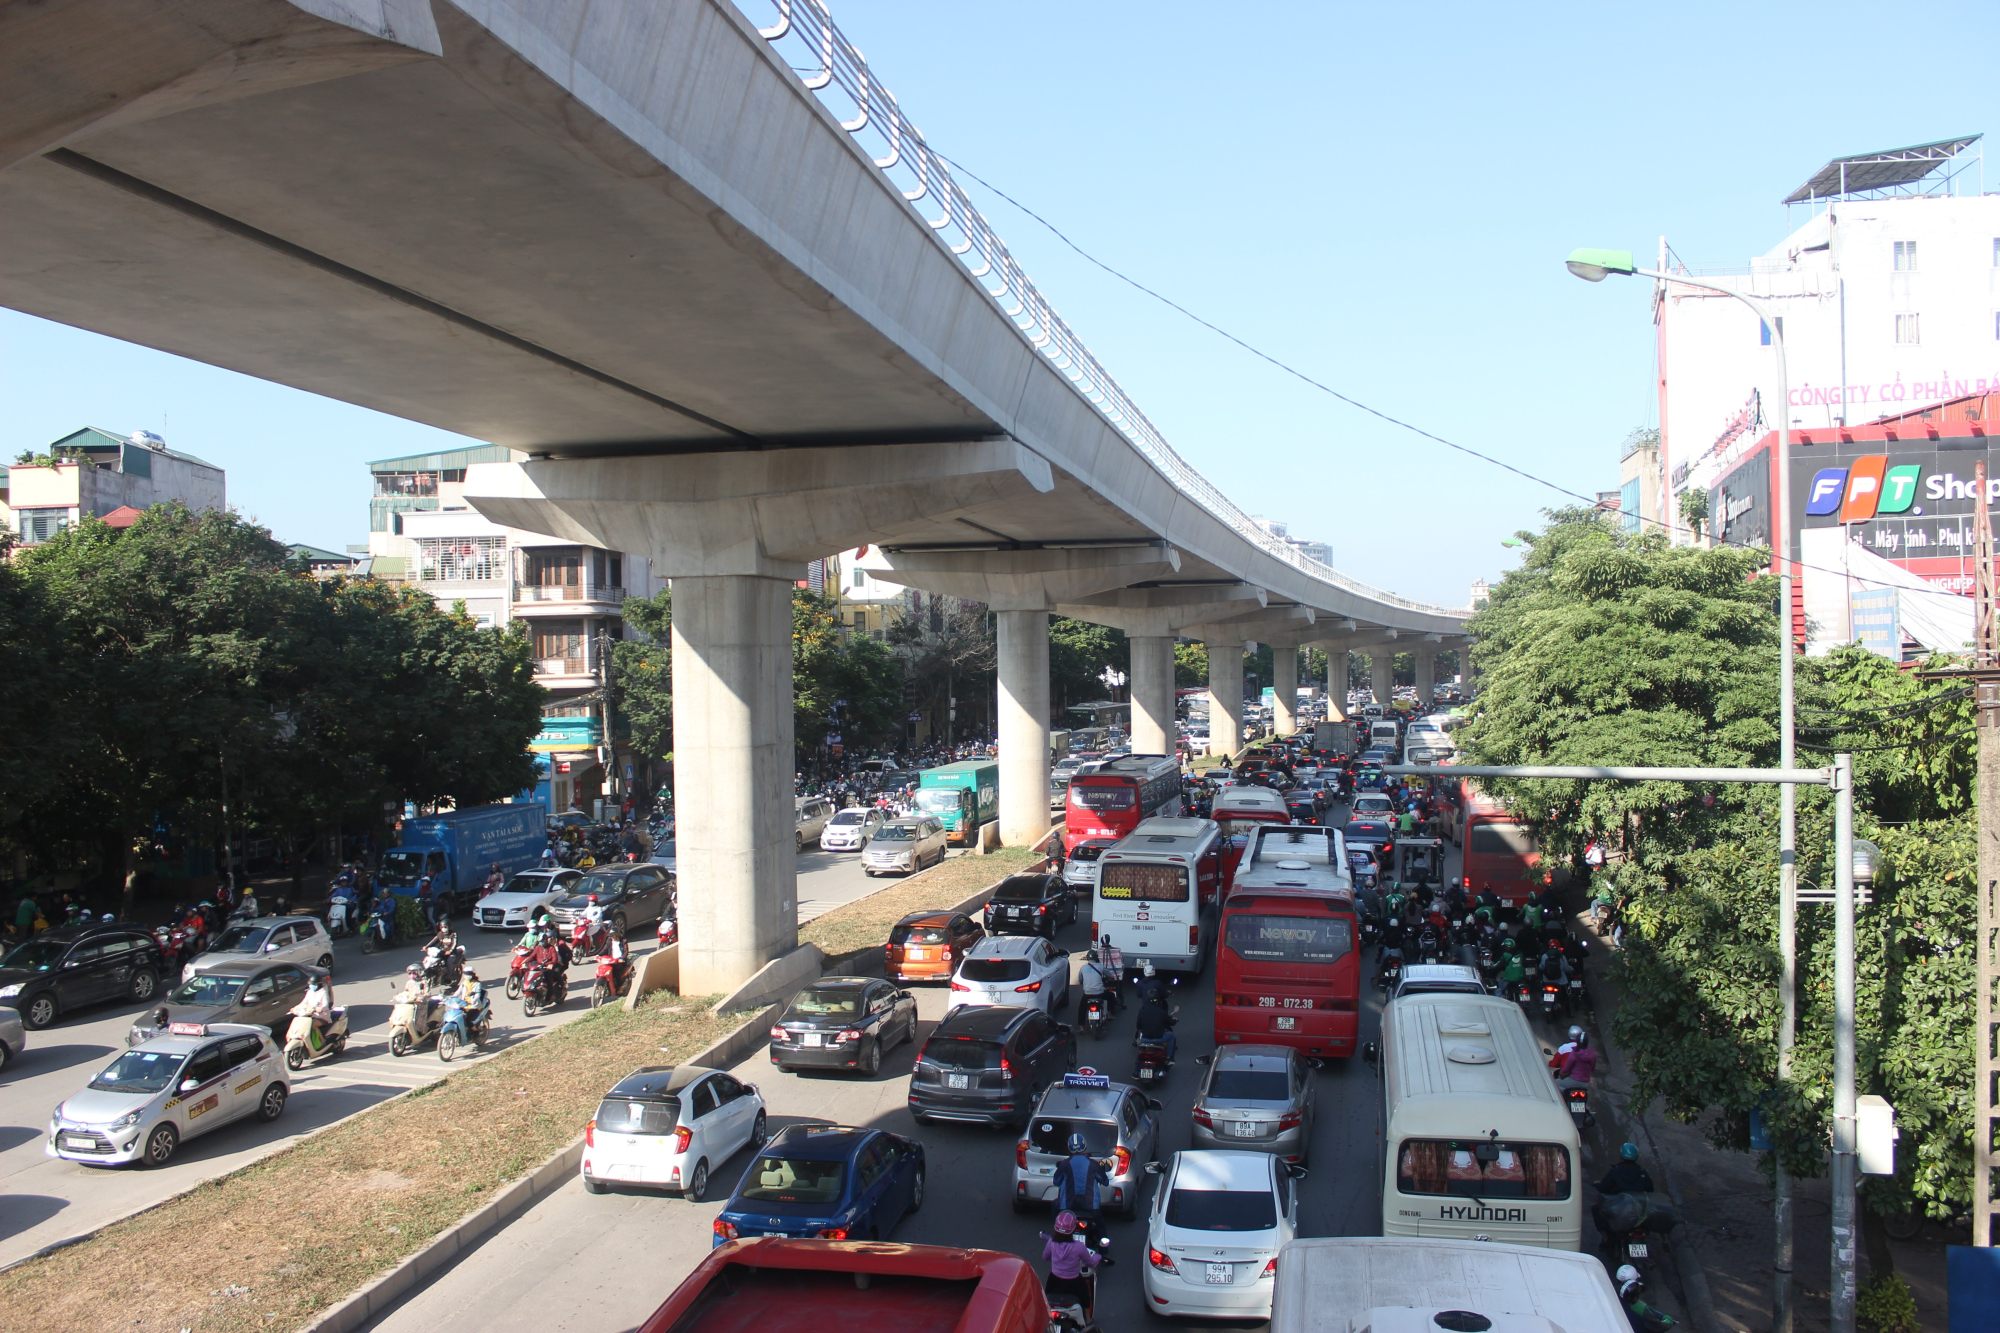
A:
[(1335, 1284), (778, 1285), (962, 796), (458, 847), (1334, 737)]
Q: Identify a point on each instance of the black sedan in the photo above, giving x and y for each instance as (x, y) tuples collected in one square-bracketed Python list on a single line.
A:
[(1030, 905), (1303, 806), (1374, 835), (843, 1023)]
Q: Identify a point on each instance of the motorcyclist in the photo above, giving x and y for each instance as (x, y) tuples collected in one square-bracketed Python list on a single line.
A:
[(1393, 934), (317, 1004), (494, 879), (593, 919), (1069, 1256), (1113, 961), (1553, 966), (614, 949), (384, 910), (473, 992), (445, 941), (1094, 983), (544, 954), (1512, 974), (1151, 987), (1577, 1067), (1080, 1182), (1626, 1176), (1531, 915), (1156, 1023)]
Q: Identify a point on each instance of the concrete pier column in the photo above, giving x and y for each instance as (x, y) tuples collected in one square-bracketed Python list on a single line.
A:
[(733, 763), (1225, 696), (1336, 681), (1426, 660), (1024, 726), (1382, 674), (1152, 694), (1284, 689)]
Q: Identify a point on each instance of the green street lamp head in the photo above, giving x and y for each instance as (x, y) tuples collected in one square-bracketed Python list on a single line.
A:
[(1595, 265)]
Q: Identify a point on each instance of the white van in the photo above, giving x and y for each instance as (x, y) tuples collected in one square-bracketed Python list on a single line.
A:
[(1382, 734), (1332, 1284), (1152, 885), (1478, 1144)]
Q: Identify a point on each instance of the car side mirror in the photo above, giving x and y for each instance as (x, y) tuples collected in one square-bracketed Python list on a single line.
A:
[(1295, 1171), (1203, 1059), (1152, 1168), (270, 948), (189, 1084), (1155, 1104), (1371, 1053)]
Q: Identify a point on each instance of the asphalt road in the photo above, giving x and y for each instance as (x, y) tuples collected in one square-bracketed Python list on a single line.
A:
[(605, 1262), (44, 1200)]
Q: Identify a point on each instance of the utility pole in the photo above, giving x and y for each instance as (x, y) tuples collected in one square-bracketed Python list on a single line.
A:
[(612, 783), (1986, 695)]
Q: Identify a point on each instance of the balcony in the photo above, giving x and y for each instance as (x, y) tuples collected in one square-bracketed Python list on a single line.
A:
[(564, 598)]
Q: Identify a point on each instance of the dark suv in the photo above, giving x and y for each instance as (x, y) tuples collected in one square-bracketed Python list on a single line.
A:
[(1030, 905), (989, 1065), (629, 895), (69, 967)]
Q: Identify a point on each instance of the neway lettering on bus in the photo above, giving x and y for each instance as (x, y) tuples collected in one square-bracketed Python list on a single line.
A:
[(1479, 1212), (1306, 935)]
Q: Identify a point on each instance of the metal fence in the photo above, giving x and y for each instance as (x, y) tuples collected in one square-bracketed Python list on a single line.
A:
[(804, 34)]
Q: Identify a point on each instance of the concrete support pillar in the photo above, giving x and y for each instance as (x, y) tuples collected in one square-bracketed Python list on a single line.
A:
[(1336, 682), (1284, 689), (1024, 726), (733, 763), (1382, 674), (1152, 694), (1426, 660), (1225, 696)]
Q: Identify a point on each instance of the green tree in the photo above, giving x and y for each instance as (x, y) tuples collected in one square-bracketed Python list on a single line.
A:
[(643, 673), (1191, 665), (1079, 654), (947, 652)]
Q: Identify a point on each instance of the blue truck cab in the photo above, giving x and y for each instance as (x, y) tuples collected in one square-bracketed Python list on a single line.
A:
[(458, 847)]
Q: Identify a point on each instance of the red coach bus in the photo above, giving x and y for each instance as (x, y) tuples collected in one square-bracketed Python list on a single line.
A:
[(1288, 970), (1500, 849), (1241, 811), (1109, 801)]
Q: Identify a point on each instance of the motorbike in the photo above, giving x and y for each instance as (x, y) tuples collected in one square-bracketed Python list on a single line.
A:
[(1152, 1063), (377, 932), (306, 1045), (339, 918), (463, 1024), (413, 1021), (517, 968), (171, 944), (1575, 994), (1429, 948), (587, 941), (442, 970), (613, 975), (1068, 1314), (1096, 1013), (1643, 1317), (1554, 994), (543, 988), (669, 932), (1389, 974)]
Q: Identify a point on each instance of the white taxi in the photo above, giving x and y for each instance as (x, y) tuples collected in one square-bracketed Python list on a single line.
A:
[(1218, 1222), (185, 1082)]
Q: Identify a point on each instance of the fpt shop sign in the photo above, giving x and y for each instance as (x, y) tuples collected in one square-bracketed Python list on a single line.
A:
[(1877, 485)]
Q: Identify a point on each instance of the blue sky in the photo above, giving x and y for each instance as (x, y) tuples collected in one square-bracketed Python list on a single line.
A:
[(1379, 195)]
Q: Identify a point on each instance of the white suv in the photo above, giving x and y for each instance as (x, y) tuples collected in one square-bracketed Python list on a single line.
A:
[(1024, 971), (270, 939)]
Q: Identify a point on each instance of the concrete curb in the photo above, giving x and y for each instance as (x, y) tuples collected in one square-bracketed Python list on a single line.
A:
[(377, 1296)]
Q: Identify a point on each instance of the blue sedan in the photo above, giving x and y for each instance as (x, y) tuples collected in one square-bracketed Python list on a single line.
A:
[(826, 1182)]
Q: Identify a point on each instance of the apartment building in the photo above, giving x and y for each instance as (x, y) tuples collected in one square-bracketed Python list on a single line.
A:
[(93, 473)]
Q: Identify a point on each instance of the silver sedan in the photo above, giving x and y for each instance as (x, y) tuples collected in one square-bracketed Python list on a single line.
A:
[(1256, 1099), (13, 1036)]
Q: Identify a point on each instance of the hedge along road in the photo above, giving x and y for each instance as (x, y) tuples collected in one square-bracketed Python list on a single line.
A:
[(594, 1262), (44, 1201)]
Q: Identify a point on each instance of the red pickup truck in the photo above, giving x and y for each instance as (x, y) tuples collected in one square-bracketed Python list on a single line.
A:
[(778, 1285)]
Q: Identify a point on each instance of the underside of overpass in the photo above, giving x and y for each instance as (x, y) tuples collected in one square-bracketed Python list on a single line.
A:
[(626, 239)]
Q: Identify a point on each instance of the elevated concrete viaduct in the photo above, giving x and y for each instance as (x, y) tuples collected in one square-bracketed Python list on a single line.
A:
[(717, 322)]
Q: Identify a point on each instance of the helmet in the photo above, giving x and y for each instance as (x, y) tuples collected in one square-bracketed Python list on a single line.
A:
[(107, 917), (1628, 1152), (414, 972), (1583, 1039), (471, 975), (1076, 1143), (1065, 1223), (1629, 1282), (1092, 955), (1575, 1033)]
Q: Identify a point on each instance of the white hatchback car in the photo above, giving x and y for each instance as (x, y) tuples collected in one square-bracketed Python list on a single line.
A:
[(851, 830), (668, 1127), (1218, 1221), (512, 906), (1025, 971)]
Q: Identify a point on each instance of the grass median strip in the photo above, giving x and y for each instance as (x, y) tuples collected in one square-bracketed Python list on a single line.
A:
[(864, 923), (268, 1247)]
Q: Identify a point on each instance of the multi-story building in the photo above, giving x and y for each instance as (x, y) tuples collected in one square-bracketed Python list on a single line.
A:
[(1886, 296), (93, 474), (1319, 551), (565, 596)]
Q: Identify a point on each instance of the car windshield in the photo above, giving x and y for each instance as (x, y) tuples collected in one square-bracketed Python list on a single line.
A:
[(1251, 1085), (1050, 1135), (847, 818), (1086, 852), (824, 1003), (1222, 1210), (917, 935), (994, 969), (205, 988), (938, 800), (400, 869), (139, 1071), (621, 1116), (1021, 889), (240, 939), (604, 886), (897, 833), (529, 884), (793, 1180), (38, 955), (961, 1053)]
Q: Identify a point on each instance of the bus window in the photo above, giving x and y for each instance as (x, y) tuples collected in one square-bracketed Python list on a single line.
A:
[(1495, 839), (1141, 882), (1103, 795), (1289, 939), (1514, 1171)]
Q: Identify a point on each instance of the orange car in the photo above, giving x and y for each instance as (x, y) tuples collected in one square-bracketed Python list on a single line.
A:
[(926, 946)]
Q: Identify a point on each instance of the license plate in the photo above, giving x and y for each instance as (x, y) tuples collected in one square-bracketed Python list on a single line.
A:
[(1285, 1023), (811, 1039), (1242, 1129), (1221, 1275), (1637, 1250), (955, 1080), (915, 955), (78, 1143)]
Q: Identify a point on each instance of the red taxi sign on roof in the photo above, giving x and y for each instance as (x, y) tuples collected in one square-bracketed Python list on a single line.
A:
[(188, 1029)]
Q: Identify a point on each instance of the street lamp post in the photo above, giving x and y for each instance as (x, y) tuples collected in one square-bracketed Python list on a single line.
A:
[(1595, 266)]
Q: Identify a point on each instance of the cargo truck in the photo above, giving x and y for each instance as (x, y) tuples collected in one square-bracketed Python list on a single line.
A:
[(1334, 738), (458, 847), (962, 796)]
